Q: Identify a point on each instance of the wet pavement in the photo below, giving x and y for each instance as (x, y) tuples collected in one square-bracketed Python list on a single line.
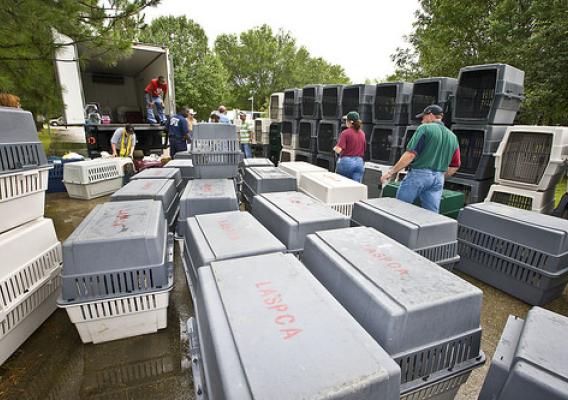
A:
[(54, 364)]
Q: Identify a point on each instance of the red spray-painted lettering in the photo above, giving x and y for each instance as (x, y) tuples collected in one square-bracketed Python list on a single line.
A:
[(229, 229), (120, 219), (386, 260), (273, 301)]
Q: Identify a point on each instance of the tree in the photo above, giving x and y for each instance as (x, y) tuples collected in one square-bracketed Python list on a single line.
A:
[(27, 46), (260, 63), (200, 78), (528, 34)]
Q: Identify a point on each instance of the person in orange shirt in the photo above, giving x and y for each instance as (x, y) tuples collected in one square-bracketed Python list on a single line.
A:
[(154, 94)]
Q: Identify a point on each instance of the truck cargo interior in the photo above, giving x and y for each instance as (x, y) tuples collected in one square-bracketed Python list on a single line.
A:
[(119, 87)]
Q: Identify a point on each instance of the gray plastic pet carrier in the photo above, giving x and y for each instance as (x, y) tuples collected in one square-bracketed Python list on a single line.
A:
[(392, 101), (311, 101), (359, 98), (386, 143), (20, 147), (520, 252), (162, 190), (428, 91), (366, 270), (530, 361), (431, 235), (290, 216), (292, 103), (120, 249), (331, 101), (268, 330), (206, 196), (488, 94)]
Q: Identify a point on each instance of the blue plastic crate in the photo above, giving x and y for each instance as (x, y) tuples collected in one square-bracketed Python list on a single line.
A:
[(55, 181)]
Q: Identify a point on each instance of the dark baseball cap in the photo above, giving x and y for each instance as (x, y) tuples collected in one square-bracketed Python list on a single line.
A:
[(431, 109)]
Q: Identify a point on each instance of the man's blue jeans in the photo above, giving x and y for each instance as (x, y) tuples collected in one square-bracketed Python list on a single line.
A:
[(425, 184), (150, 109), (245, 148), (351, 167)]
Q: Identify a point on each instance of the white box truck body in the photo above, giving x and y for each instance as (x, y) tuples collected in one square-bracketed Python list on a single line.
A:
[(118, 90)]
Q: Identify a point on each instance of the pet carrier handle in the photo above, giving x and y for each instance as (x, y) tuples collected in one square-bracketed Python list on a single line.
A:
[(510, 95), (195, 357), (170, 254)]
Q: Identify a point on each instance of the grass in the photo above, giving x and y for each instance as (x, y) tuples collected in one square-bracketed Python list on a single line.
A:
[(560, 190), (45, 139)]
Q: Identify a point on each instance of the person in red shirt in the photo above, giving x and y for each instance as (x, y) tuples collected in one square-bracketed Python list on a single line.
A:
[(351, 149), (154, 94)]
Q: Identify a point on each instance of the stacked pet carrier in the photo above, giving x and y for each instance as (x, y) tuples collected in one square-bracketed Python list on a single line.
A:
[(334, 190), (216, 152), (309, 124), (275, 141), (394, 293), (305, 327), (206, 196), (31, 254), (530, 359), (390, 119), (276, 107), (298, 168), (291, 216), (429, 234), (261, 134), (518, 251), (162, 190), (258, 180), (290, 124), (486, 103), (529, 163), (329, 126), (118, 271), (92, 178)]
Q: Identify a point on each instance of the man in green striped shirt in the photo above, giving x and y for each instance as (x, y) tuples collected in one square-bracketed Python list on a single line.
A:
[(432, 154), (245, 132)]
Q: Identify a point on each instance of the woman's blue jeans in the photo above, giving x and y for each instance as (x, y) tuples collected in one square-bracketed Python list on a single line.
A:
[(351, 167)]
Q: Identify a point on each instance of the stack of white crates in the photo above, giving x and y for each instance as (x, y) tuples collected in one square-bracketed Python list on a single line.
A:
[(118, 271), (31, 254), (92, 178), (338, 192), (529, 163)]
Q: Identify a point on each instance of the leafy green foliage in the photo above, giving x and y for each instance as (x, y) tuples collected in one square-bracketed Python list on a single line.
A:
[(27, 47), (528, 34), (261, 62), (200, 78)]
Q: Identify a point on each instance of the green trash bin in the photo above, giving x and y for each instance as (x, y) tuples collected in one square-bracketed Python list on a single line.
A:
[(450, 206)]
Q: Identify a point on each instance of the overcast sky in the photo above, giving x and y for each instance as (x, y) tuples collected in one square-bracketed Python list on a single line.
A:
[(360, 35)]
